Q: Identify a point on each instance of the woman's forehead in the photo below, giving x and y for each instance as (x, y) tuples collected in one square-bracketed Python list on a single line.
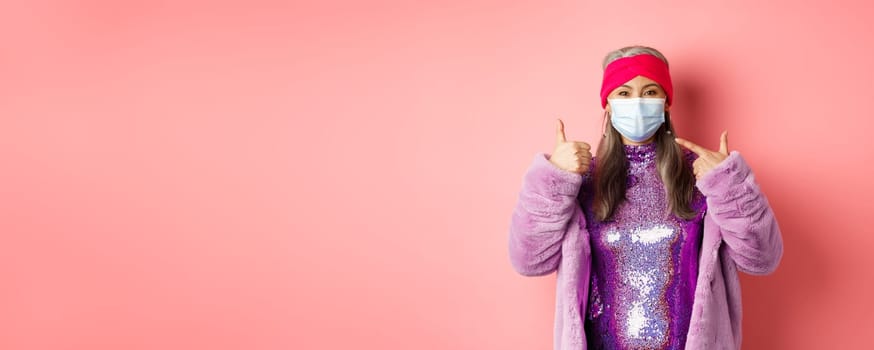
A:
[(640, 81)]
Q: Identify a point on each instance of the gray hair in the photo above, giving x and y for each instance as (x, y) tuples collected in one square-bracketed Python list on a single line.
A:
[(629, 51)]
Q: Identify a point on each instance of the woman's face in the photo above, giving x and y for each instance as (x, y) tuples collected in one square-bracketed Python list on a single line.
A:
[(640, 86)]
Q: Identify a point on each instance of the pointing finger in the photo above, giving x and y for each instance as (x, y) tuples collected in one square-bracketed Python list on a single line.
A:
[(723, 143), (700, 151), (560, 131)]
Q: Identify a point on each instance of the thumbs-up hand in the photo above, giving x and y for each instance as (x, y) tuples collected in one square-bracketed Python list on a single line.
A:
[(572, 156), (707, 159)]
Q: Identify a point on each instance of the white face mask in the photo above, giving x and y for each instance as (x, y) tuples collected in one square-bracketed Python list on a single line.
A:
[(637, 118)]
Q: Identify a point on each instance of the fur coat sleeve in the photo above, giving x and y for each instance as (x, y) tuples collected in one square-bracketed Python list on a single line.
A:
[(546, 202), (744, 217)]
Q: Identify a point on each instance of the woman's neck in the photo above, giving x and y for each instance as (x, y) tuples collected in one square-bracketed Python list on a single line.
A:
[(628, 142)]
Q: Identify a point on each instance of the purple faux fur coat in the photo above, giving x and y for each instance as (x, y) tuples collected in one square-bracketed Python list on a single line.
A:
[(548, 233)]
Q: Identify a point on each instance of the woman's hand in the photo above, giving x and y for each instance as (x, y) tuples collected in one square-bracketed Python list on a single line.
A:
[(572, 156), (707, 159)]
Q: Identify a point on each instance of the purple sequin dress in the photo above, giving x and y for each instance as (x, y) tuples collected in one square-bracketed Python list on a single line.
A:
[(644, 263)]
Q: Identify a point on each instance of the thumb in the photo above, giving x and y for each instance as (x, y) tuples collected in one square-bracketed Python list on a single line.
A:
[(723, 143), (559, 132)]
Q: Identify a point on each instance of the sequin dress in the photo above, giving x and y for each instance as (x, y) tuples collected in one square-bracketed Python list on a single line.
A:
[(644, 263)]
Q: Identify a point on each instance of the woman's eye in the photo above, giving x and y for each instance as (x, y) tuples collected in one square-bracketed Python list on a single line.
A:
[(652, 92), (622, 93)]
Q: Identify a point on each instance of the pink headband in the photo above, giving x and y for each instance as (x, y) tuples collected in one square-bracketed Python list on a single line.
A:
[(624, 69)]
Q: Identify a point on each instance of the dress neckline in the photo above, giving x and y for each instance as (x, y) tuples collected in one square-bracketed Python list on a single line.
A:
[(640, 153)]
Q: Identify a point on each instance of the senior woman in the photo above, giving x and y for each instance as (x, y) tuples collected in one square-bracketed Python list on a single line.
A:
[(647, 236)]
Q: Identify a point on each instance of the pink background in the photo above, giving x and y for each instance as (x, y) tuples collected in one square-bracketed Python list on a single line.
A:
[(259, 175)]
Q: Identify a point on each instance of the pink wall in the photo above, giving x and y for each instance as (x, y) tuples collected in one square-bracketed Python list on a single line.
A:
[(207, 175)]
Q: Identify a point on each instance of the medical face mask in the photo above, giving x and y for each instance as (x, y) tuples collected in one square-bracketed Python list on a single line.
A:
[(637, 118)]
